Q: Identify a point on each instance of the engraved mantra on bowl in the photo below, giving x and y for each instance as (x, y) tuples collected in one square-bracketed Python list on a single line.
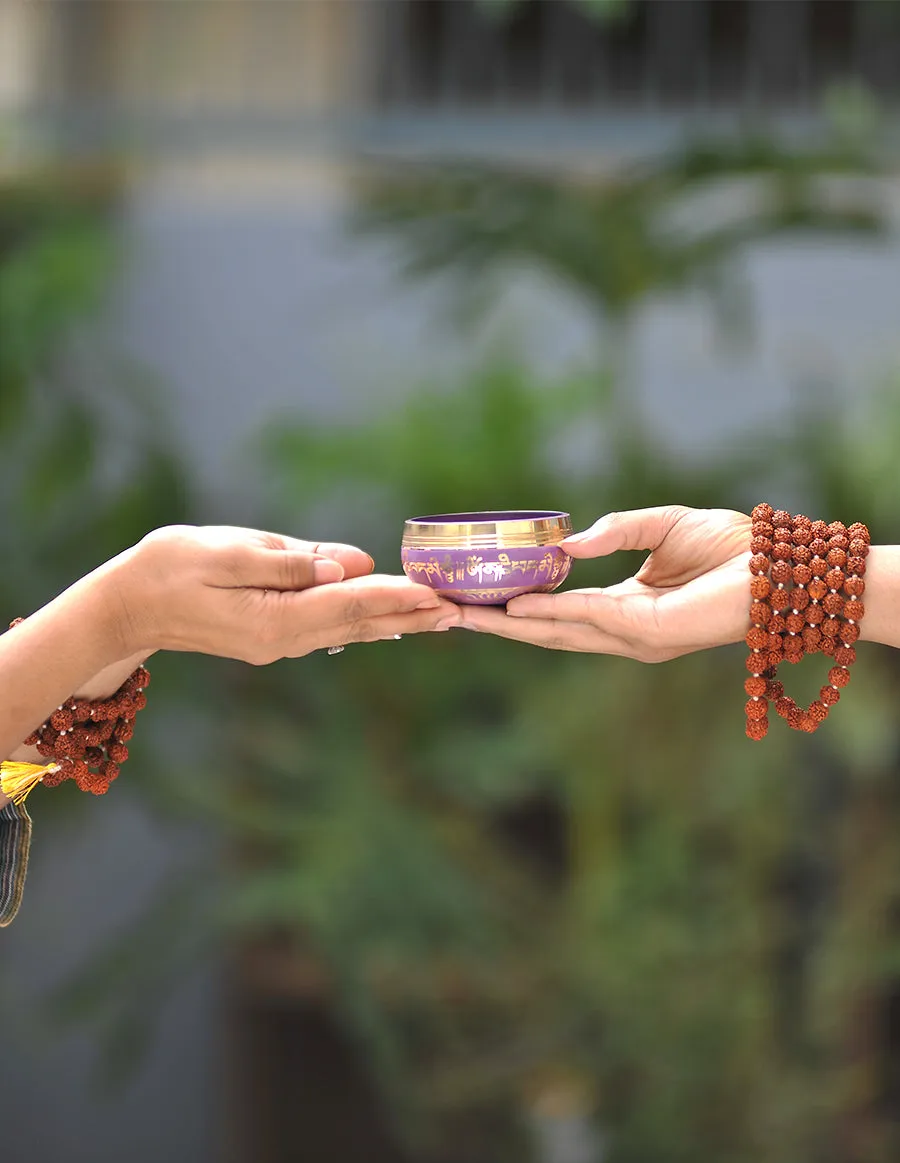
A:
[(449, 571)]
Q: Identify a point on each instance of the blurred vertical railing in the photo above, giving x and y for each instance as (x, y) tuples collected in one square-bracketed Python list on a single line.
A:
[(423, 62)]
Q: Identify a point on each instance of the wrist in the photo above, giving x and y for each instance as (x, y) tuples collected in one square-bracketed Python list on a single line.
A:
[(881, 622)]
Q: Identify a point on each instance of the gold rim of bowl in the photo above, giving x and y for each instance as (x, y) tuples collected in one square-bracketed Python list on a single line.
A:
[(510, 529)]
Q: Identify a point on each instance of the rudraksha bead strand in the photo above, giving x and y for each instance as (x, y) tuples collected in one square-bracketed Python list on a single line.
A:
[(806, 589), (86, 740)]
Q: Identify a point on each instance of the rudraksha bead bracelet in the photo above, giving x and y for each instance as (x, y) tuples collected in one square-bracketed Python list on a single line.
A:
[(806, 593), (86, 740)]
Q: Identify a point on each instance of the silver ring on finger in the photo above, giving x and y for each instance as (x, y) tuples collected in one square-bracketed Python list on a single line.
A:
[(335, 649)]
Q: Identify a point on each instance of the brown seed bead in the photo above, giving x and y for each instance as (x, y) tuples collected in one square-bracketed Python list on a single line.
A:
[(140, 701), (801, 520), (760, 613), (782, 533), (793, 651), (856, 565), (802, 575), (774, 689), (784, 706), (819, 529), (854, 587), (832, 603), (854, 610), (756, 663), (774, 642), (814, 615), (109, 769), (802, 554), (62, 719), (782, 551), (756, 708), (818, 711), (858, 547), (762, 529), (782, 517), (800, 598), (124, 731), (802, 535), (834, 579), (759, 563), (829, 695), (812, 638), (760, 588), (836, 557), (795, 624), (807, 723), (84, 779), (757, 638), (117, 752), (836, 528), (817, 589), (845, 656), (831, 628), (819, 566), (782, 573), (794, 717), (762, 512), (838, 541), (763, 545), (838, 676), (55, 778), (849, 634), (756, 686), (830, 646), (777, 624), (757, 728), (774, 659), (779, 600), (859, 532)]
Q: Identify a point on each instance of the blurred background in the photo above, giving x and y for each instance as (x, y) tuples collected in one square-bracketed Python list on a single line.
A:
[(321, 265)]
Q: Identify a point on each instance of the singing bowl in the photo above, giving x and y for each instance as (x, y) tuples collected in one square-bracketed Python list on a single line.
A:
[(487, 558)]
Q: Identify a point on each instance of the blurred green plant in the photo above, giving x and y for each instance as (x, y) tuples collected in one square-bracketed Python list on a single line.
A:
[(519, 874), (85, 468)]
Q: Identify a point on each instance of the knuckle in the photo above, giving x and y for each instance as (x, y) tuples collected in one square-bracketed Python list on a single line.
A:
[(363, 630)]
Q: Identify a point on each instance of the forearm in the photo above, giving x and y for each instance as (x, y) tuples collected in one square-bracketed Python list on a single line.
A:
[(882, 597), (75, 644)]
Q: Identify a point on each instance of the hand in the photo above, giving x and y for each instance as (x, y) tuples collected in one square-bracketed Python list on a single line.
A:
[(691, 593), (254, 596)]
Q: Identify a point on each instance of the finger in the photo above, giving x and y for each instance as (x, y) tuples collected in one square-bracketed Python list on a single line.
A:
[(387, 626), (605, 611), (354, 562), (259, 567), (363, 598), (633, 529), (546, 632)]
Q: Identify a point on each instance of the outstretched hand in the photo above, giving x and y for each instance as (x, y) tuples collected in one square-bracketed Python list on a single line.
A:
[(691, 593), (257, 596)]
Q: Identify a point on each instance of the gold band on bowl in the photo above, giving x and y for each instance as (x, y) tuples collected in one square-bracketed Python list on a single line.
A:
[(511, 530)]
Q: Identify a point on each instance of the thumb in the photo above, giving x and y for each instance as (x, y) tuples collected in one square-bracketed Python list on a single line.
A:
[(263, 568), (633, 529)]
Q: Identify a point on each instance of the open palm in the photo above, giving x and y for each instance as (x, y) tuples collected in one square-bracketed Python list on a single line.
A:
[(690, 594)]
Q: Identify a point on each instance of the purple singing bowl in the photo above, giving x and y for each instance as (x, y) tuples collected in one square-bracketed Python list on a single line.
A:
[(487, 558)]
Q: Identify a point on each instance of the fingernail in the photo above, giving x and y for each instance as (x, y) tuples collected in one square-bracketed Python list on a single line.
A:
[(325, 570), (429, 604)]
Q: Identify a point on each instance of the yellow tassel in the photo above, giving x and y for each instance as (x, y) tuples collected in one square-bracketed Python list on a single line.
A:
[(18, 779)]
